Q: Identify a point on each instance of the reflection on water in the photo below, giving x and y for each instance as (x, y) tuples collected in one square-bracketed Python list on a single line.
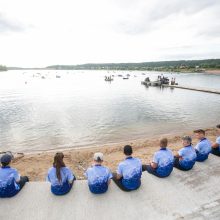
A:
[(81, 109)]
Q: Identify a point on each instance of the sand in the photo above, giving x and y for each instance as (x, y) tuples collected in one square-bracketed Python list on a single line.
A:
[(35, 165)]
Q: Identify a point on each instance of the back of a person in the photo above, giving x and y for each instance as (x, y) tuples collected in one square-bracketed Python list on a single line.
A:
[(8, 185), (203, 148), (188, 157), (59, 187), (98, 177), (131, 172), (165, 162)]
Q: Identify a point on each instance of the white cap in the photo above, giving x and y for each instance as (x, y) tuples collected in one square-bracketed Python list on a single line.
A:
[(98, 156)]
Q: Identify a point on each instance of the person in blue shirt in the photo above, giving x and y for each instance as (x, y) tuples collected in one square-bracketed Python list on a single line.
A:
[(186, 157), (203, 147), (216, 145), (60, 176), (99, 177), (10, 180), (162, 164), (128, 176)]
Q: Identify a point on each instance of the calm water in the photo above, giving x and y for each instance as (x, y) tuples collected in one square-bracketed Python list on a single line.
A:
[(81, 109)]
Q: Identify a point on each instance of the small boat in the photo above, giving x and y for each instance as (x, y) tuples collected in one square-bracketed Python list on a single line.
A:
[(119, 75), (125, 77), (57, 76)]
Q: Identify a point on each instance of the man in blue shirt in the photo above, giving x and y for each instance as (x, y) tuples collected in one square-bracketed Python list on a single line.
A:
[(186, 157), (10, 180), (128, 176), (99, 177), (162, 164), (203, 148), (216, 145)]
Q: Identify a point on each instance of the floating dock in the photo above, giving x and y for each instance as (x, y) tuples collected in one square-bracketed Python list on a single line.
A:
[(194, 89)]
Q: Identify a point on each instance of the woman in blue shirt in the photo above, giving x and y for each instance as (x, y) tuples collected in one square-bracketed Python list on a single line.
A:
[(162, 164), (186, 157), (60, 176), (10, 180), (216, 145)]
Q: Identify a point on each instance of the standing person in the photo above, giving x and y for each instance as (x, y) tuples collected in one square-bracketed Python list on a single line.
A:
[(162, 164), (10, 180), (203, 148), (128, 176), (99, 177), (216, 145), (186, 157), (60, 176)]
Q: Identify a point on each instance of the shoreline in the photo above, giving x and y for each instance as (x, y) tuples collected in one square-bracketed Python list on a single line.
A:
[(35, 165)]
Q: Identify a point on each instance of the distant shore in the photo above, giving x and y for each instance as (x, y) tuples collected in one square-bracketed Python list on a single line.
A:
[(35, 165)]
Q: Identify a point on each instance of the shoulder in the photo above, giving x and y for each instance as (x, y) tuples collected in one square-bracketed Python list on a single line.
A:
[(218, 140), (13, 170), (51, 169)]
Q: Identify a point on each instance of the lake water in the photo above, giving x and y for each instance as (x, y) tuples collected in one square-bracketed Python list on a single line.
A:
[(81, 109)]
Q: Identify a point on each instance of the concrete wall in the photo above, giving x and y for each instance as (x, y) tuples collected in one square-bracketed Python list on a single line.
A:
[(184, 195)]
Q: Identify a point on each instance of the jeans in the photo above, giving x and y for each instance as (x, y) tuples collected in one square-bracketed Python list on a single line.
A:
[(216, 151), (118, 182), (23, 180), (151, 170)]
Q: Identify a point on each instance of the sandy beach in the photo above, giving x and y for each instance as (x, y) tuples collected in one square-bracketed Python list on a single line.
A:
[(35, 165)]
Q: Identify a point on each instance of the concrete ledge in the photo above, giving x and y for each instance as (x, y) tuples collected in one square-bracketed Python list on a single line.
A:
[(184, 195)]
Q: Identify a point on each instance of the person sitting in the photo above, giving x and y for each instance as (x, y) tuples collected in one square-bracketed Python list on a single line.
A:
[(10, 180), (186, 157), (99, 177), (162, 164), (216, 145), (60, 176), (203, 148), (128, 176)]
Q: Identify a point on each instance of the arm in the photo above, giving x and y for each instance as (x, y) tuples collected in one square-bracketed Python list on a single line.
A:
[(154, 165), (215, 145)]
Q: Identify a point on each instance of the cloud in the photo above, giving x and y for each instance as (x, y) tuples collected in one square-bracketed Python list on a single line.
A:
[(8, 25), (150, 15)]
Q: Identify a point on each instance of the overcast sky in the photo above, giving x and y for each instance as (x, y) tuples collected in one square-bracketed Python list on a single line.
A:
[(46, 32)]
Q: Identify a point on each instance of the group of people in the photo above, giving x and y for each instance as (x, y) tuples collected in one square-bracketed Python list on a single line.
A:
[(128, 175)]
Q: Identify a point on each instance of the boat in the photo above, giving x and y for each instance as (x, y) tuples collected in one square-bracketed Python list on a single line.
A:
[(57, 76)]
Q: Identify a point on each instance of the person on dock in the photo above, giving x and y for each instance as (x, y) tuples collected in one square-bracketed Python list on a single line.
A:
[(186, 157), (99, 177), (162, 164), (203, 148), (10, 180), (216, 145), (128, 175), (60, 176)]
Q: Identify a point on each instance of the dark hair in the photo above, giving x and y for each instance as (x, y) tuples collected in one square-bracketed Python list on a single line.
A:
[(58, 164), (199, 131), (4, 164), (128, 150), (163, 142), (218, 126)]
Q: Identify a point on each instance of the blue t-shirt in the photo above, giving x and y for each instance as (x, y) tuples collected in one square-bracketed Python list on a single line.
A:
[(203, 149), (164, 160), (60, 187), (98, 177), (218, 142), (8, 178), (189, 156), (131, 170)]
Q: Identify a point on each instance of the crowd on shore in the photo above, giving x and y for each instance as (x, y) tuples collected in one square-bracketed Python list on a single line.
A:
[(128, 175)]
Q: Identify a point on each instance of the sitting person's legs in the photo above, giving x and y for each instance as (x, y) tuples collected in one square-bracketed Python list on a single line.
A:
[(216, 151), (23, 180), (177, 163), (119, 183)]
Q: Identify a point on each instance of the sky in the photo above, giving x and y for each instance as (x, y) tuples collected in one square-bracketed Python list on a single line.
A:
[(49, 32)]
